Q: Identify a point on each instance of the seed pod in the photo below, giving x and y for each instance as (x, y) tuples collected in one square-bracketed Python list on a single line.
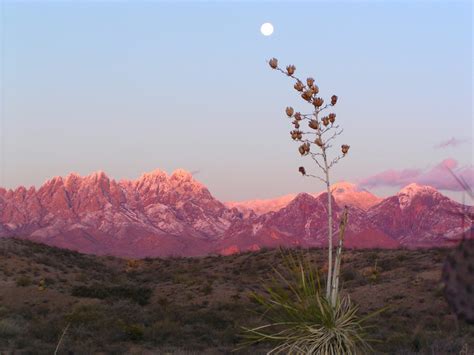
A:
[(299, 86), (298, 116), (307, 147), (290, 69), (273, 63), (289, 111), (313, 124), (332, 117), (302, 170), (301, 149), (318, 142), (345, 148), (310, 81), (307, 95), (296, 134), (333, 100), (315, 89), (325, 120), (318, 102), (296, 123)]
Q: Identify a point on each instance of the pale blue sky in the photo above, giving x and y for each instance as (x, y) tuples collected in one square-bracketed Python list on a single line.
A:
[(133, 86)]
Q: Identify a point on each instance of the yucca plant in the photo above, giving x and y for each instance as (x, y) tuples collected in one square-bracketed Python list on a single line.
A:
[(299, 319), (316, 142)]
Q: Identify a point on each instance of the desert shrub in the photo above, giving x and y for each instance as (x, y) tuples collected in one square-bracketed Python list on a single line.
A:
[(140, 295), (164, 331), (134, 332), (10, 328), (23, 281), (349, 274)]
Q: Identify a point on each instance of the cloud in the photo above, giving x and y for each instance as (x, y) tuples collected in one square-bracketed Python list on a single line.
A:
[(452, 142), (438, 176)]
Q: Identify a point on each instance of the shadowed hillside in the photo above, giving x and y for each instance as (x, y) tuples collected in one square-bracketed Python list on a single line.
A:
[(198, 304)]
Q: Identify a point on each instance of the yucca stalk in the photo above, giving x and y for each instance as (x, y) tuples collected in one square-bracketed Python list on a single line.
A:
[(337, 262), (324, 131)]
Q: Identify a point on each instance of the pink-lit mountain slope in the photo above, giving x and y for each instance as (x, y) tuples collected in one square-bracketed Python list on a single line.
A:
[(156, 214), (303, 222), (420, 216), (161, 215), (344, 193)]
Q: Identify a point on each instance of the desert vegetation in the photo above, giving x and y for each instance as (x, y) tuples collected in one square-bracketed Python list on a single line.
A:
[(307, 319), (197, 305)]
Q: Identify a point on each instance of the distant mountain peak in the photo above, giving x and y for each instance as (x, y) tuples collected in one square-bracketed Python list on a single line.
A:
[(415, 188), (409, 192), (181, 174), (344, 186)]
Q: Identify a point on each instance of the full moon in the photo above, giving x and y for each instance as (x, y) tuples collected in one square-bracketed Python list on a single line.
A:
[(266, 29)]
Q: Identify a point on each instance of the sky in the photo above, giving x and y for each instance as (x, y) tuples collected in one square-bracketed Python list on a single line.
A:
[(129, 87)]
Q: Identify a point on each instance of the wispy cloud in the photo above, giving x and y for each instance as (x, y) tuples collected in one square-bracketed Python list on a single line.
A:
[(452, 142), (438, 176)]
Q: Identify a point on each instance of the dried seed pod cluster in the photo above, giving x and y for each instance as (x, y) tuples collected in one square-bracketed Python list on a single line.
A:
[(296, 135), (308, 90), (290, 69), (325, 121), (313, 124), (307, 95), (273, 63), (302, 170), (318, 102), (299, 86), (304, 148)]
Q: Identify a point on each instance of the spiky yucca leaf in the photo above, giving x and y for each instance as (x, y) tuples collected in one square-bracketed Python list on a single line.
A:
[(300, 320)]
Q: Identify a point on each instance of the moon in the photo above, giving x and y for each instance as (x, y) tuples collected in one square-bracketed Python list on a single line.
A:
[(266, 29)]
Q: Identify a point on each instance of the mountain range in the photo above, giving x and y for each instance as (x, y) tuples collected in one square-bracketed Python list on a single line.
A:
[(175, 215)]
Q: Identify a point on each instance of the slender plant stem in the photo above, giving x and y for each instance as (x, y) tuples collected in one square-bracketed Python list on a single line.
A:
[(328, 187), (61, 338), (337, 262)]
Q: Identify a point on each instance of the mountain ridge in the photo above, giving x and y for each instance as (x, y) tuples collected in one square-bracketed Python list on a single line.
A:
[(160, 214)]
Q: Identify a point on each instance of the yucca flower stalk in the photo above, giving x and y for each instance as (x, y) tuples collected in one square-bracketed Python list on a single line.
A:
[(316, 143)]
